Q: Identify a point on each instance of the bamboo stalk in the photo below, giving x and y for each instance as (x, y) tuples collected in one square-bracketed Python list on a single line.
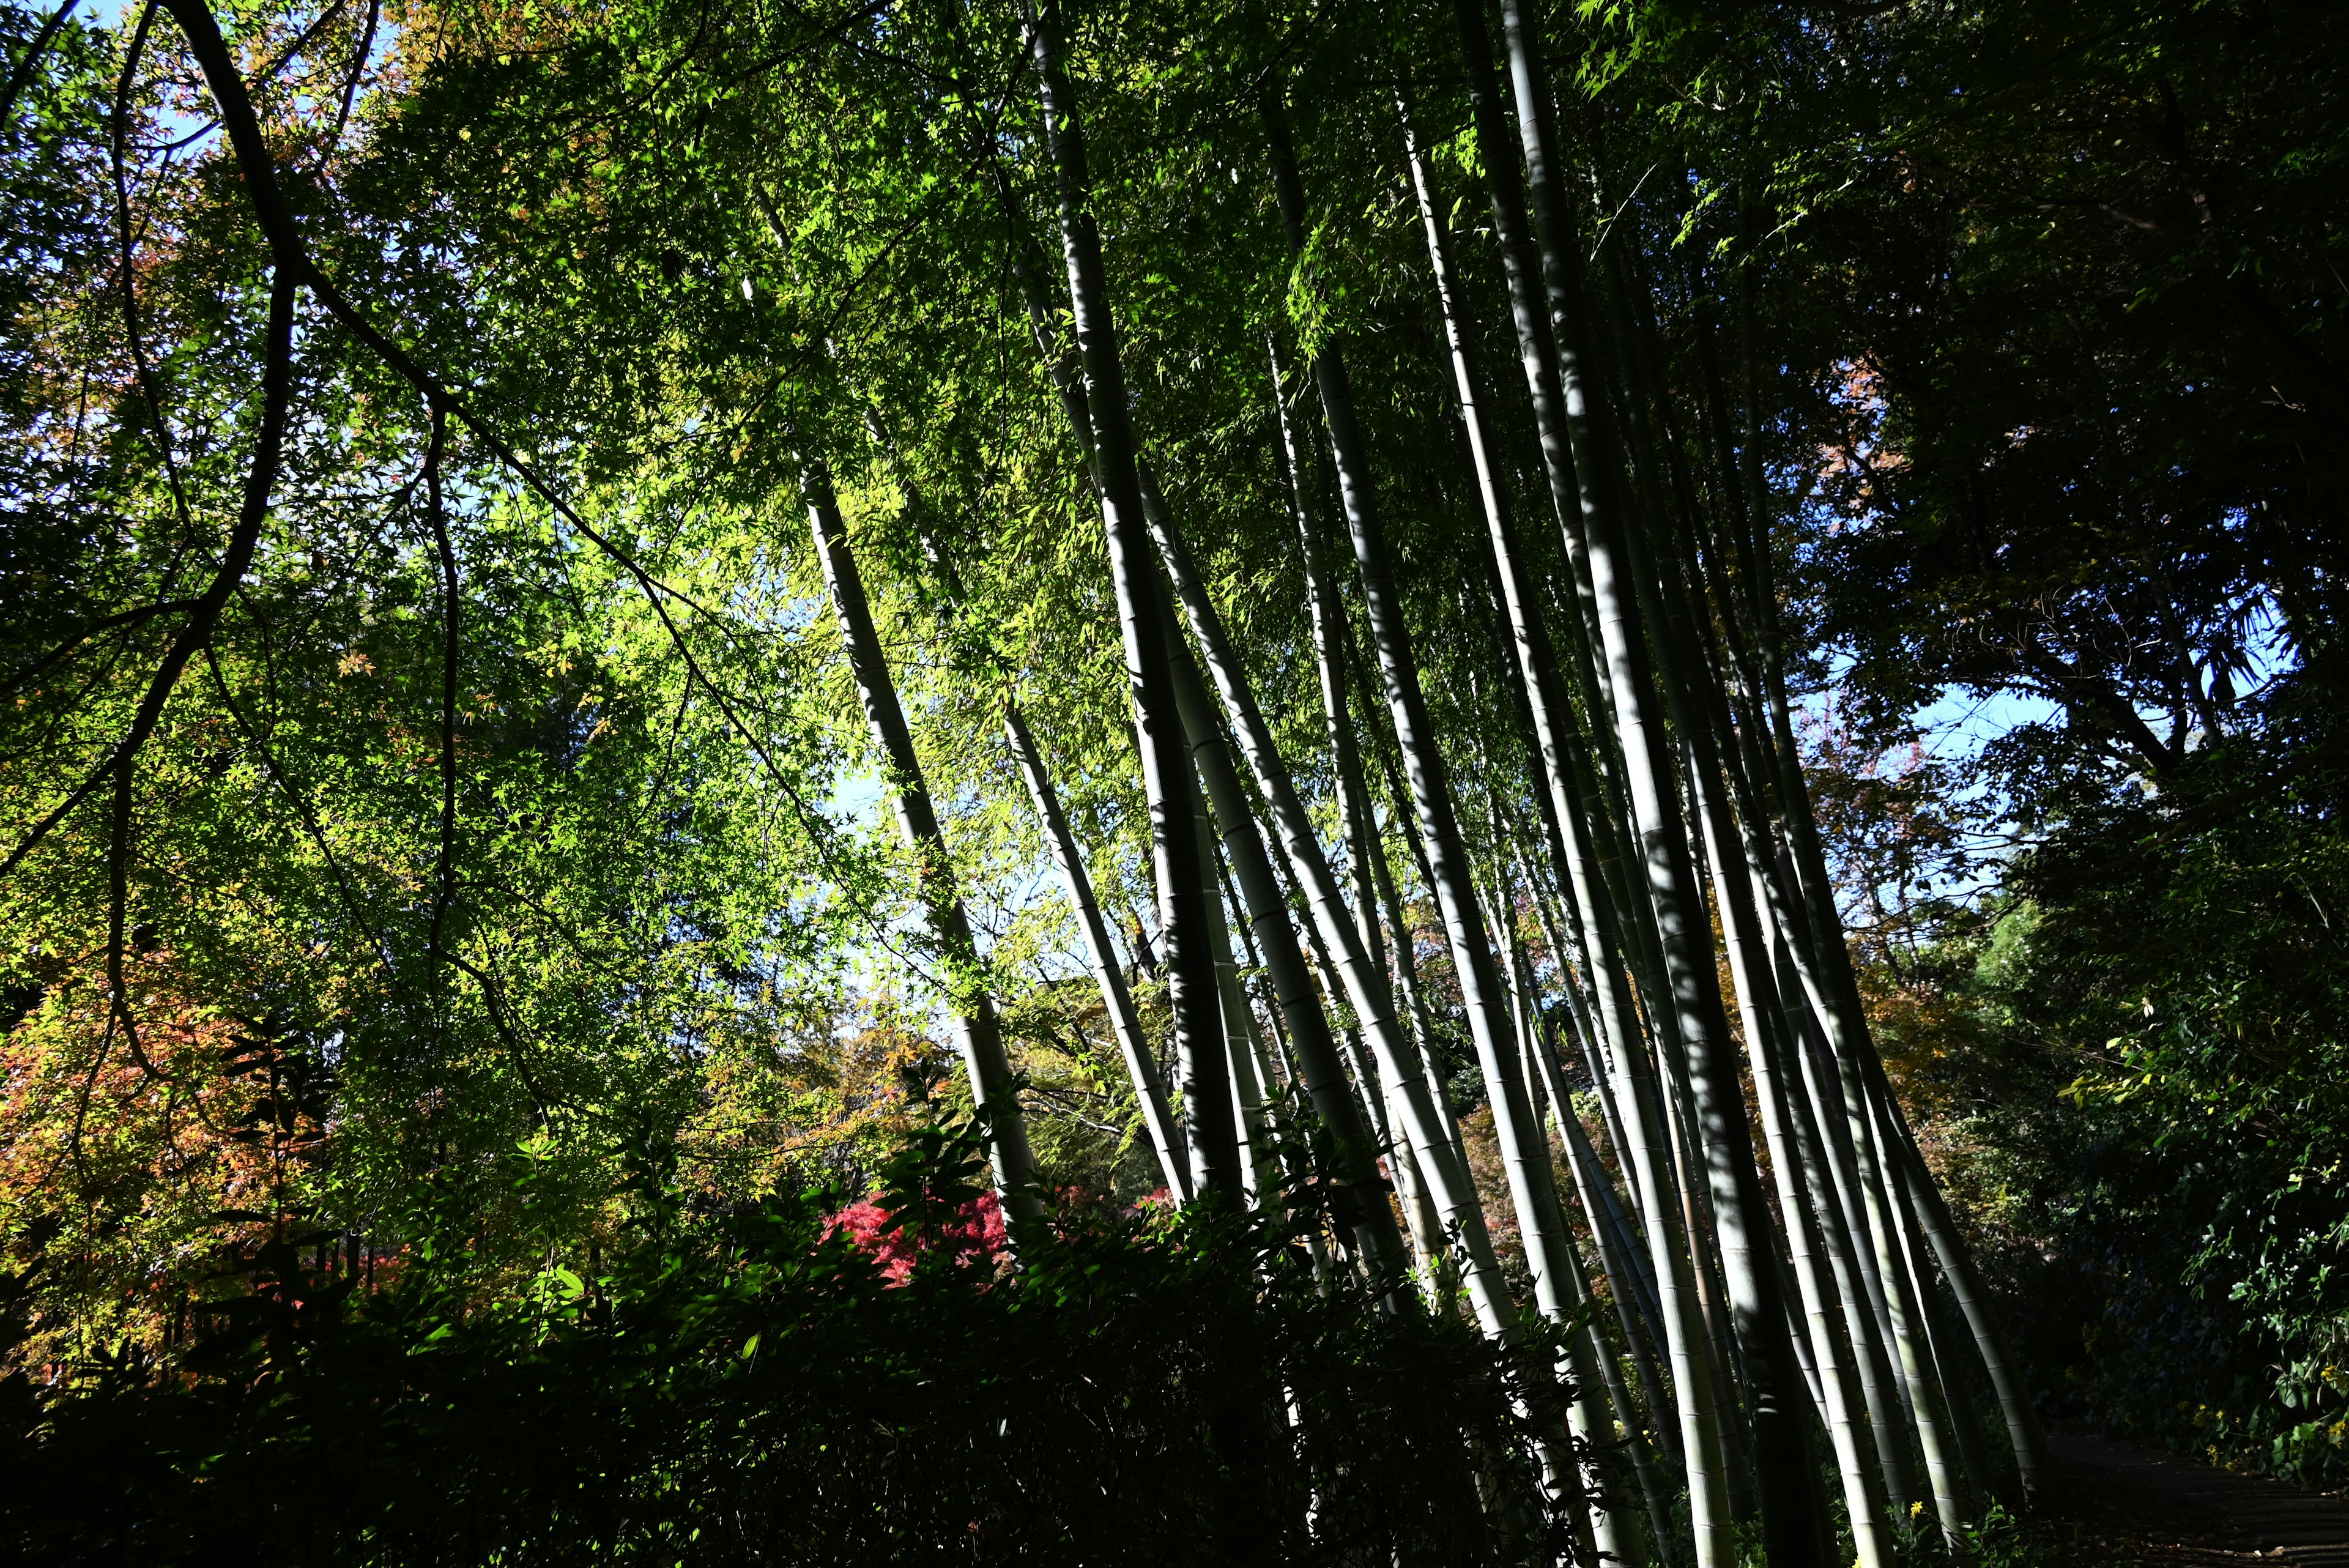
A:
[(1695, 1385), (1833, 1372), (978, 1031), (1176, 849), (1117, 997)]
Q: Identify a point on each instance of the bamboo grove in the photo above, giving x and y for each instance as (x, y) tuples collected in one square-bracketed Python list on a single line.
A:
[(1285, 511)]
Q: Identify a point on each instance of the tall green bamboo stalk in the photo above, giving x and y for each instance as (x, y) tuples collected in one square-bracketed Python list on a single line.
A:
[(1523, 1155), (977, 1028), (1117, 997), (1176, 850)]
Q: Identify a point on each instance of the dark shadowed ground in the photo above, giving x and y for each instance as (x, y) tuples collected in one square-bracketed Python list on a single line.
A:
[(2114, 1506)]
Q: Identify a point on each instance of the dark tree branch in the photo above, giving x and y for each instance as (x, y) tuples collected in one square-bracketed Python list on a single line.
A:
[(276, 389), (358, 69), (293, 260), (124, 273), (2081, 693), (82, 792), (448, 868), (65, 650), (502, 1024), (22, 76), (302, 40)]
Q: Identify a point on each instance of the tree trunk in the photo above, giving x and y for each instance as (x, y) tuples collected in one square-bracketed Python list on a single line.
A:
[(1899, 1300), (1634, 1301), (1598, 1384), (1981, 1314), (1697, 1386), (1329, 641), (1866, 1314), (1431, 1139), (1589, 1355), (1793, 1515), (1267, 911), (1941, 1337), (1406, 979), (1241, 1054), (2024, 1432)]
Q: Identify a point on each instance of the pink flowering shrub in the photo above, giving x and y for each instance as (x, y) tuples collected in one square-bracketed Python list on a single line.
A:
[(975, 1234)]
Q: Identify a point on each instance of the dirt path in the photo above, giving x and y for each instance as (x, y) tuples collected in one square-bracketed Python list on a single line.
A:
[(2118, 1507)]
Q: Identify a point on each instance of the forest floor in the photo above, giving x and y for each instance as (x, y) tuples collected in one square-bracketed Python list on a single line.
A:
[(2114, 1506)]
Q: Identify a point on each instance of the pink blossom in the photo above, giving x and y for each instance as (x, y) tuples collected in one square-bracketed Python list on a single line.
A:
[(974, 1234)]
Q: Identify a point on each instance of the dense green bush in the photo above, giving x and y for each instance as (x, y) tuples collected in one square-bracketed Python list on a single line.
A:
[(754, 1386), (2152, 1120)]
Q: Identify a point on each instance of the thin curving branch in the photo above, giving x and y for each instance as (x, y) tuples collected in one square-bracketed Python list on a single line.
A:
[(202, 612), (302, 810), (124, 273), (276, 387), (446, 877), (22, 76), (82, 792), (67, 649), (501, 1019), (358, 69)]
